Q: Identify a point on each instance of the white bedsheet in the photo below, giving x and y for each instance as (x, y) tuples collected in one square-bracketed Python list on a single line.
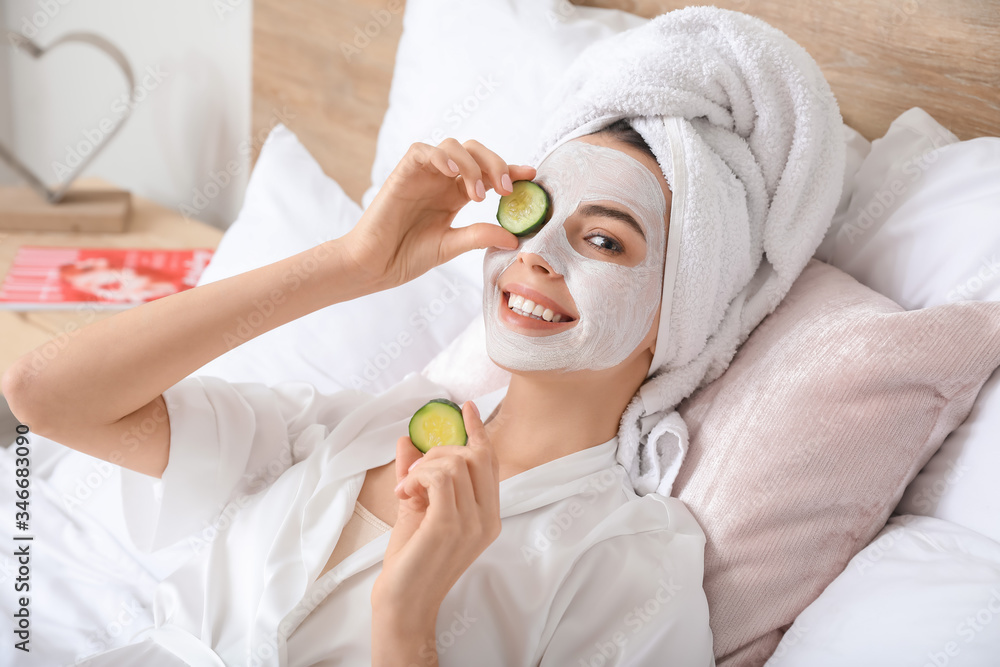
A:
[(90, 590)]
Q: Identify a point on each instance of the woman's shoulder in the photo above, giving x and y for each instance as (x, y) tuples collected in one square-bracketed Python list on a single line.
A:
[(651, 533), (652, 513), (605, 508), (678, 516)]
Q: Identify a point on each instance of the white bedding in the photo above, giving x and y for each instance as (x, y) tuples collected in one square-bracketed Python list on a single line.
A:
[(923, 208)]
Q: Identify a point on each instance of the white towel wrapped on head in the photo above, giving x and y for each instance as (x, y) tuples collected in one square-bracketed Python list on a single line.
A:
[(748, 135)]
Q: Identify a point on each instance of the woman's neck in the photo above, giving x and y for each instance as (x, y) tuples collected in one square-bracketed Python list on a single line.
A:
[(546, 416)]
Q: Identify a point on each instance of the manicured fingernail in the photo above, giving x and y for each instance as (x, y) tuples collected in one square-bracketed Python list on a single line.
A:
[(399, 486), (475, 408), (413, 465), (480, 188), (505, 181), (453, 166)]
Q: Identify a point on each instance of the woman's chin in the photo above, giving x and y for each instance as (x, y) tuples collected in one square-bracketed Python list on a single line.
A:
[(519, 369)]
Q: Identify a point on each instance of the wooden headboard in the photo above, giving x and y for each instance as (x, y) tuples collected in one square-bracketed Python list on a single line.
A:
[(881, 58)]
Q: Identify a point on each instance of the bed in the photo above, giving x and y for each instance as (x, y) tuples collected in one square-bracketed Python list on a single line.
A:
[(882, 545)]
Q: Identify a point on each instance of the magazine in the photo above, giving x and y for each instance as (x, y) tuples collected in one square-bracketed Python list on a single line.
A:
[(46, 277)]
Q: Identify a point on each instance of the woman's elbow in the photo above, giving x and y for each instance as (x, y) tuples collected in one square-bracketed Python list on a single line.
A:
[(17, 386)]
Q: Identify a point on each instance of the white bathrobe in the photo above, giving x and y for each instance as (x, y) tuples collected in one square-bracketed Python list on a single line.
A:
[(261, 480)]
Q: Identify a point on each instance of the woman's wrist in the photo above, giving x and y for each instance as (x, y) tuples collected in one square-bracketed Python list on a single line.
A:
[(404, 637), (329, 273)]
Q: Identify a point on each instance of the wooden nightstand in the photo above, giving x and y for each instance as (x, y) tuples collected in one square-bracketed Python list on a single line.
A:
[(152, 226)]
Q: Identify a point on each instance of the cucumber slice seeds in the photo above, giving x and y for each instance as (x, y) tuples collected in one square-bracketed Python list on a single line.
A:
[(437, 422), (525, 210)]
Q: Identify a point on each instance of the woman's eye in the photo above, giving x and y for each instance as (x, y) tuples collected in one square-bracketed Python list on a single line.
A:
[(611, 246)]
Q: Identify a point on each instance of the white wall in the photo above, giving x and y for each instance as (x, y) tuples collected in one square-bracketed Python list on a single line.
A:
[(6, 175), (192, 64)]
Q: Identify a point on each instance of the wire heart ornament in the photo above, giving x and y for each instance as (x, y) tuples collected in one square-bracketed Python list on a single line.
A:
[(55, 195)]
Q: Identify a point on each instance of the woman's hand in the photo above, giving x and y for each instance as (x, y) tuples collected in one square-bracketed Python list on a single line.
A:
[(406, 231), (449, 512)]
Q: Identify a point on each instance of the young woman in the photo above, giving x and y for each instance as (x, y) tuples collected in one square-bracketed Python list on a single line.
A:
[(528, 546)]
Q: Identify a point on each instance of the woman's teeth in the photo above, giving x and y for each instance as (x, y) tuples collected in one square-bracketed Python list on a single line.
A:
[(529, 308)]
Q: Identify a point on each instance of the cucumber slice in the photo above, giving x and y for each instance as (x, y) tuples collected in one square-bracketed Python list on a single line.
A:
[(438, 422), (525, 210)]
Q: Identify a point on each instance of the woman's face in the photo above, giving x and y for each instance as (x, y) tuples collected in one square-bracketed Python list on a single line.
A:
[(589, 263)]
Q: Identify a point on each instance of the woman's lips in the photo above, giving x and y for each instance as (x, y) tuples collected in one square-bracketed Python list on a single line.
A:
[(512, 319)]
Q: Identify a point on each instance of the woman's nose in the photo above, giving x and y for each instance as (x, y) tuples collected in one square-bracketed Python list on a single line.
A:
[(533, 260)]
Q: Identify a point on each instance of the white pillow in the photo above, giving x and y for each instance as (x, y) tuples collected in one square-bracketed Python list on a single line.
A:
[(922, 229), (924, 592)]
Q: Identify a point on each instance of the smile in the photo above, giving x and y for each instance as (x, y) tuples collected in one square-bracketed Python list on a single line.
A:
[(525, 312), (528, 308)]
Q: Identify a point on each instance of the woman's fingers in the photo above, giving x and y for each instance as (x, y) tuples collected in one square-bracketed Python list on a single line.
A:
[(406, 455), (434, 486), (483, 464), (492, 167), (477, 235), (476, 169), (468, 165), (474, 471), (479, 168), (457, 470)]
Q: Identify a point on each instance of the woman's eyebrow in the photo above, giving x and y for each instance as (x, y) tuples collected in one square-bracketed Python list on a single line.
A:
[(608, 212)]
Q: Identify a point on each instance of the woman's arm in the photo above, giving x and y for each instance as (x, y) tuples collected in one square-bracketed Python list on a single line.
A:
[(101, 394), (404, 637)]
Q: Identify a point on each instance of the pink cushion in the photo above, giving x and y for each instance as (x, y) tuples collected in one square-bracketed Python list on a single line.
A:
[(800, 451)]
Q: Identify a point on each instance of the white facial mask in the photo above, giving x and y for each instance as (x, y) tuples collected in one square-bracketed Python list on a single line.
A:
[(617, 304)]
